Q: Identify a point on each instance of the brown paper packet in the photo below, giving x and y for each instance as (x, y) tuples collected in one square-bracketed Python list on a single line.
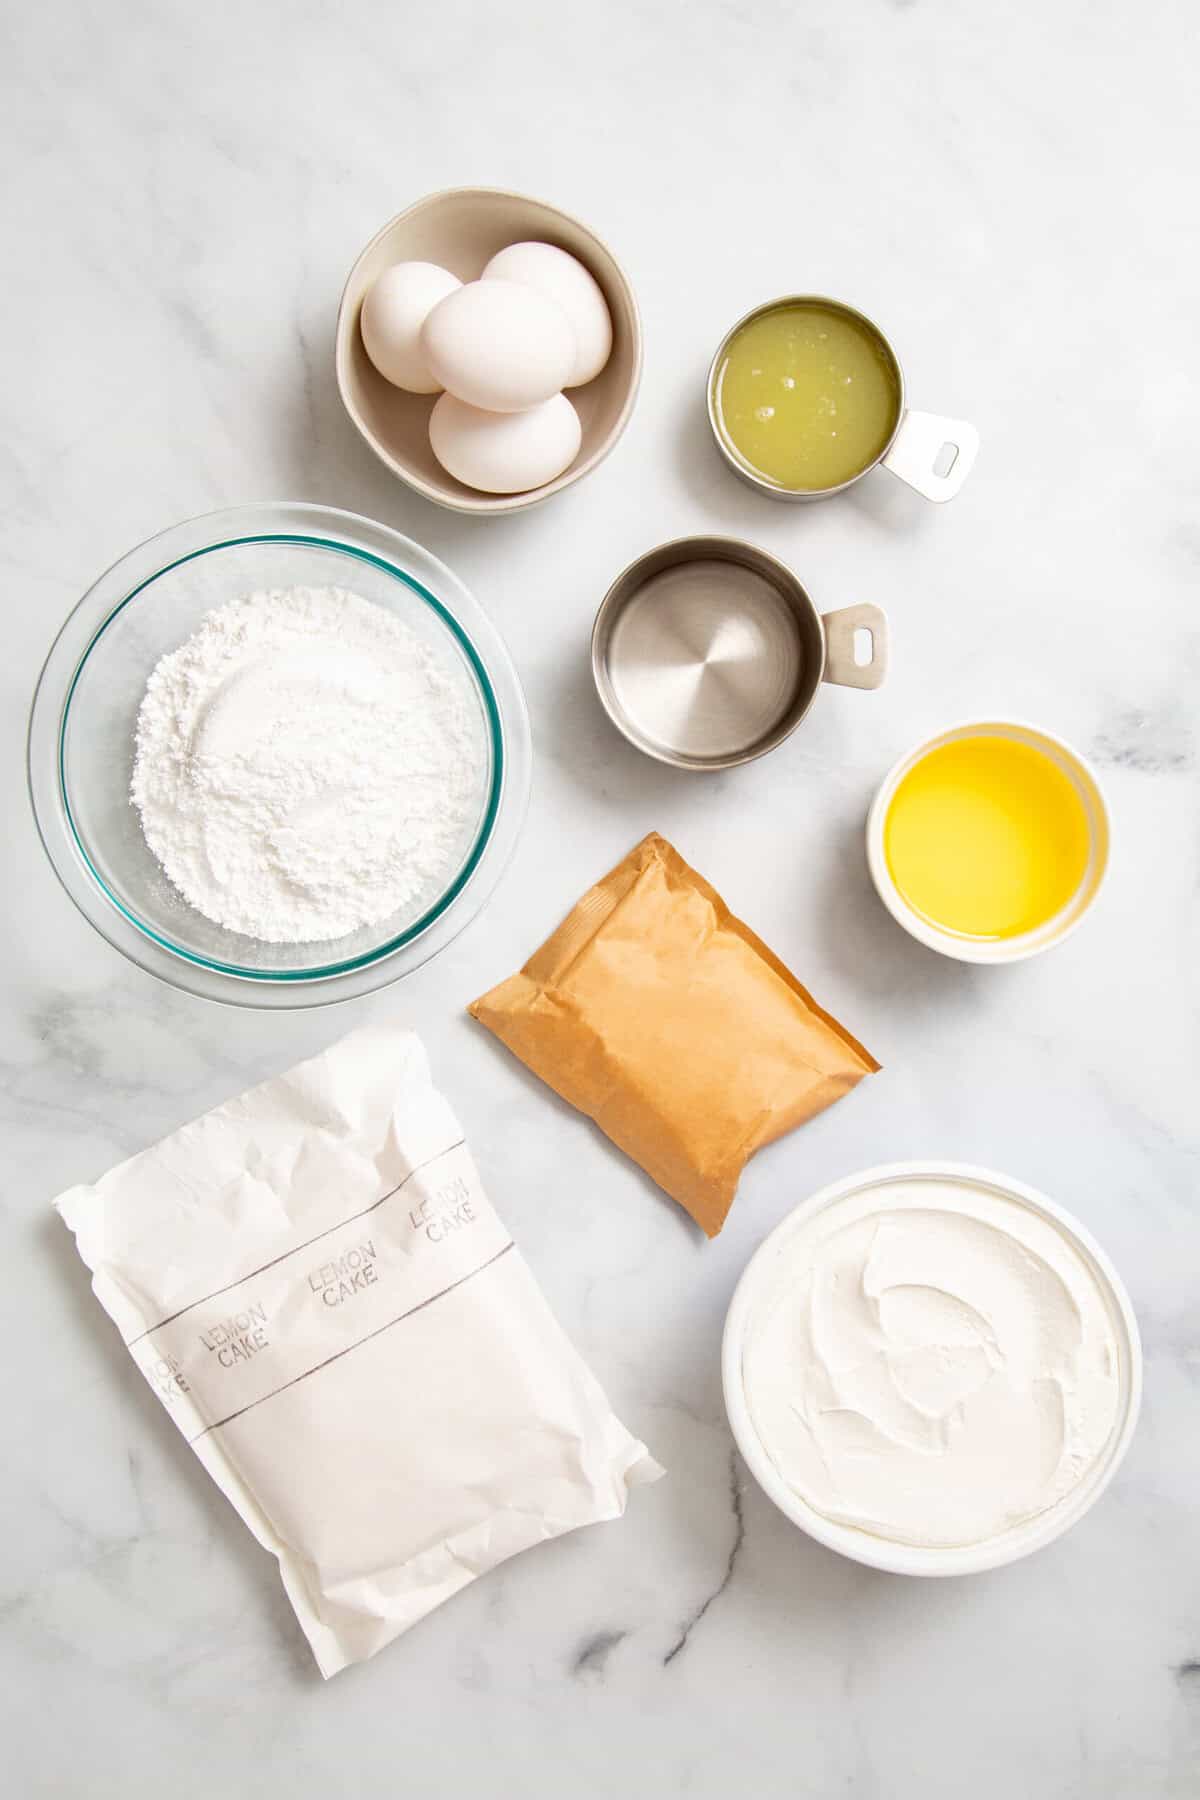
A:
[(667, 1021)]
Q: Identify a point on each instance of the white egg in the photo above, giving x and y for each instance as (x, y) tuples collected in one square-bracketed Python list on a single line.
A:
[(563, 278), (505, 453), (393, 312), (498, 346)]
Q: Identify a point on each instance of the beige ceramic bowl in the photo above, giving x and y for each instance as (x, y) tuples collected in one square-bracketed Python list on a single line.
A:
[(462, 229)]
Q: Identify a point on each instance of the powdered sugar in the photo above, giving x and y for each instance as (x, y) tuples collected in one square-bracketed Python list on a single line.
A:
[(305, 765)]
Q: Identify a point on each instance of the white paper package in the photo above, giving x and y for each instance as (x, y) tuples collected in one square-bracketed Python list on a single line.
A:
[(315, 1284)]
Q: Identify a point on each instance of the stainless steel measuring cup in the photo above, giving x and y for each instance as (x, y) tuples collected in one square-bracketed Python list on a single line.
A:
[(931, 453), (708, 652)]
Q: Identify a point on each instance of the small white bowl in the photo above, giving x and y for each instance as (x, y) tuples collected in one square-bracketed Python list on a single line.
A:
[(863, 1546), (1028, 943)]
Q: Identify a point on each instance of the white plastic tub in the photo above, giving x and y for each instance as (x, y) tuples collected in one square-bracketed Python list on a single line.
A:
[(883, 1553)]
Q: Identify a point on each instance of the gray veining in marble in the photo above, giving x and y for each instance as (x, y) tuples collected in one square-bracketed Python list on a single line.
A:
[(1004, 189)]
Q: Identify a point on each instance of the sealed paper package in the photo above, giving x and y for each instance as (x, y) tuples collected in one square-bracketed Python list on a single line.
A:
[(664, 1018), (315, 1284)]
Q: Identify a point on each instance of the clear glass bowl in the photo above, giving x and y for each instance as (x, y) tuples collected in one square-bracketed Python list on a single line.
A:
[(81, 737)]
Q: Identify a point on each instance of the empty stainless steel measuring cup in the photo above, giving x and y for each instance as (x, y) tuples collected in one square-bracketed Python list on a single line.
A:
[(708, 652)]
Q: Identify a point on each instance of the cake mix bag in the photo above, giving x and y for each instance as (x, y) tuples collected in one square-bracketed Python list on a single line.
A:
[(314, 1283)]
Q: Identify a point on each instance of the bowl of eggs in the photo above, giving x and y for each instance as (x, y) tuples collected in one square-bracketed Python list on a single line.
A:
[(488, 349)]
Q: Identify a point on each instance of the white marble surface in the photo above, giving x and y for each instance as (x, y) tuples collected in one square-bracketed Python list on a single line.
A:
[(1002, 187)]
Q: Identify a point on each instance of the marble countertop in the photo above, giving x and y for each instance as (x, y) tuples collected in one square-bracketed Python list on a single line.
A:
[(187, 189)]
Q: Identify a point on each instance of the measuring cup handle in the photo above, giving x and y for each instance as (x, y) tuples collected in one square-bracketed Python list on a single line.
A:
[(920, 443), (840, 627)]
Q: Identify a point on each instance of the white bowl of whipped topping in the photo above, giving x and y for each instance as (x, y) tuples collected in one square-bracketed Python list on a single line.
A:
[(931, 1368)]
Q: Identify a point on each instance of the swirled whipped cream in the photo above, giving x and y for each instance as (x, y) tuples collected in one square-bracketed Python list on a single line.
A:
[(932, 1362)]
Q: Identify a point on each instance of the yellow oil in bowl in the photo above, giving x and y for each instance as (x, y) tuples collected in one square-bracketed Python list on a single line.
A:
[(987, 837), (806, 395)]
